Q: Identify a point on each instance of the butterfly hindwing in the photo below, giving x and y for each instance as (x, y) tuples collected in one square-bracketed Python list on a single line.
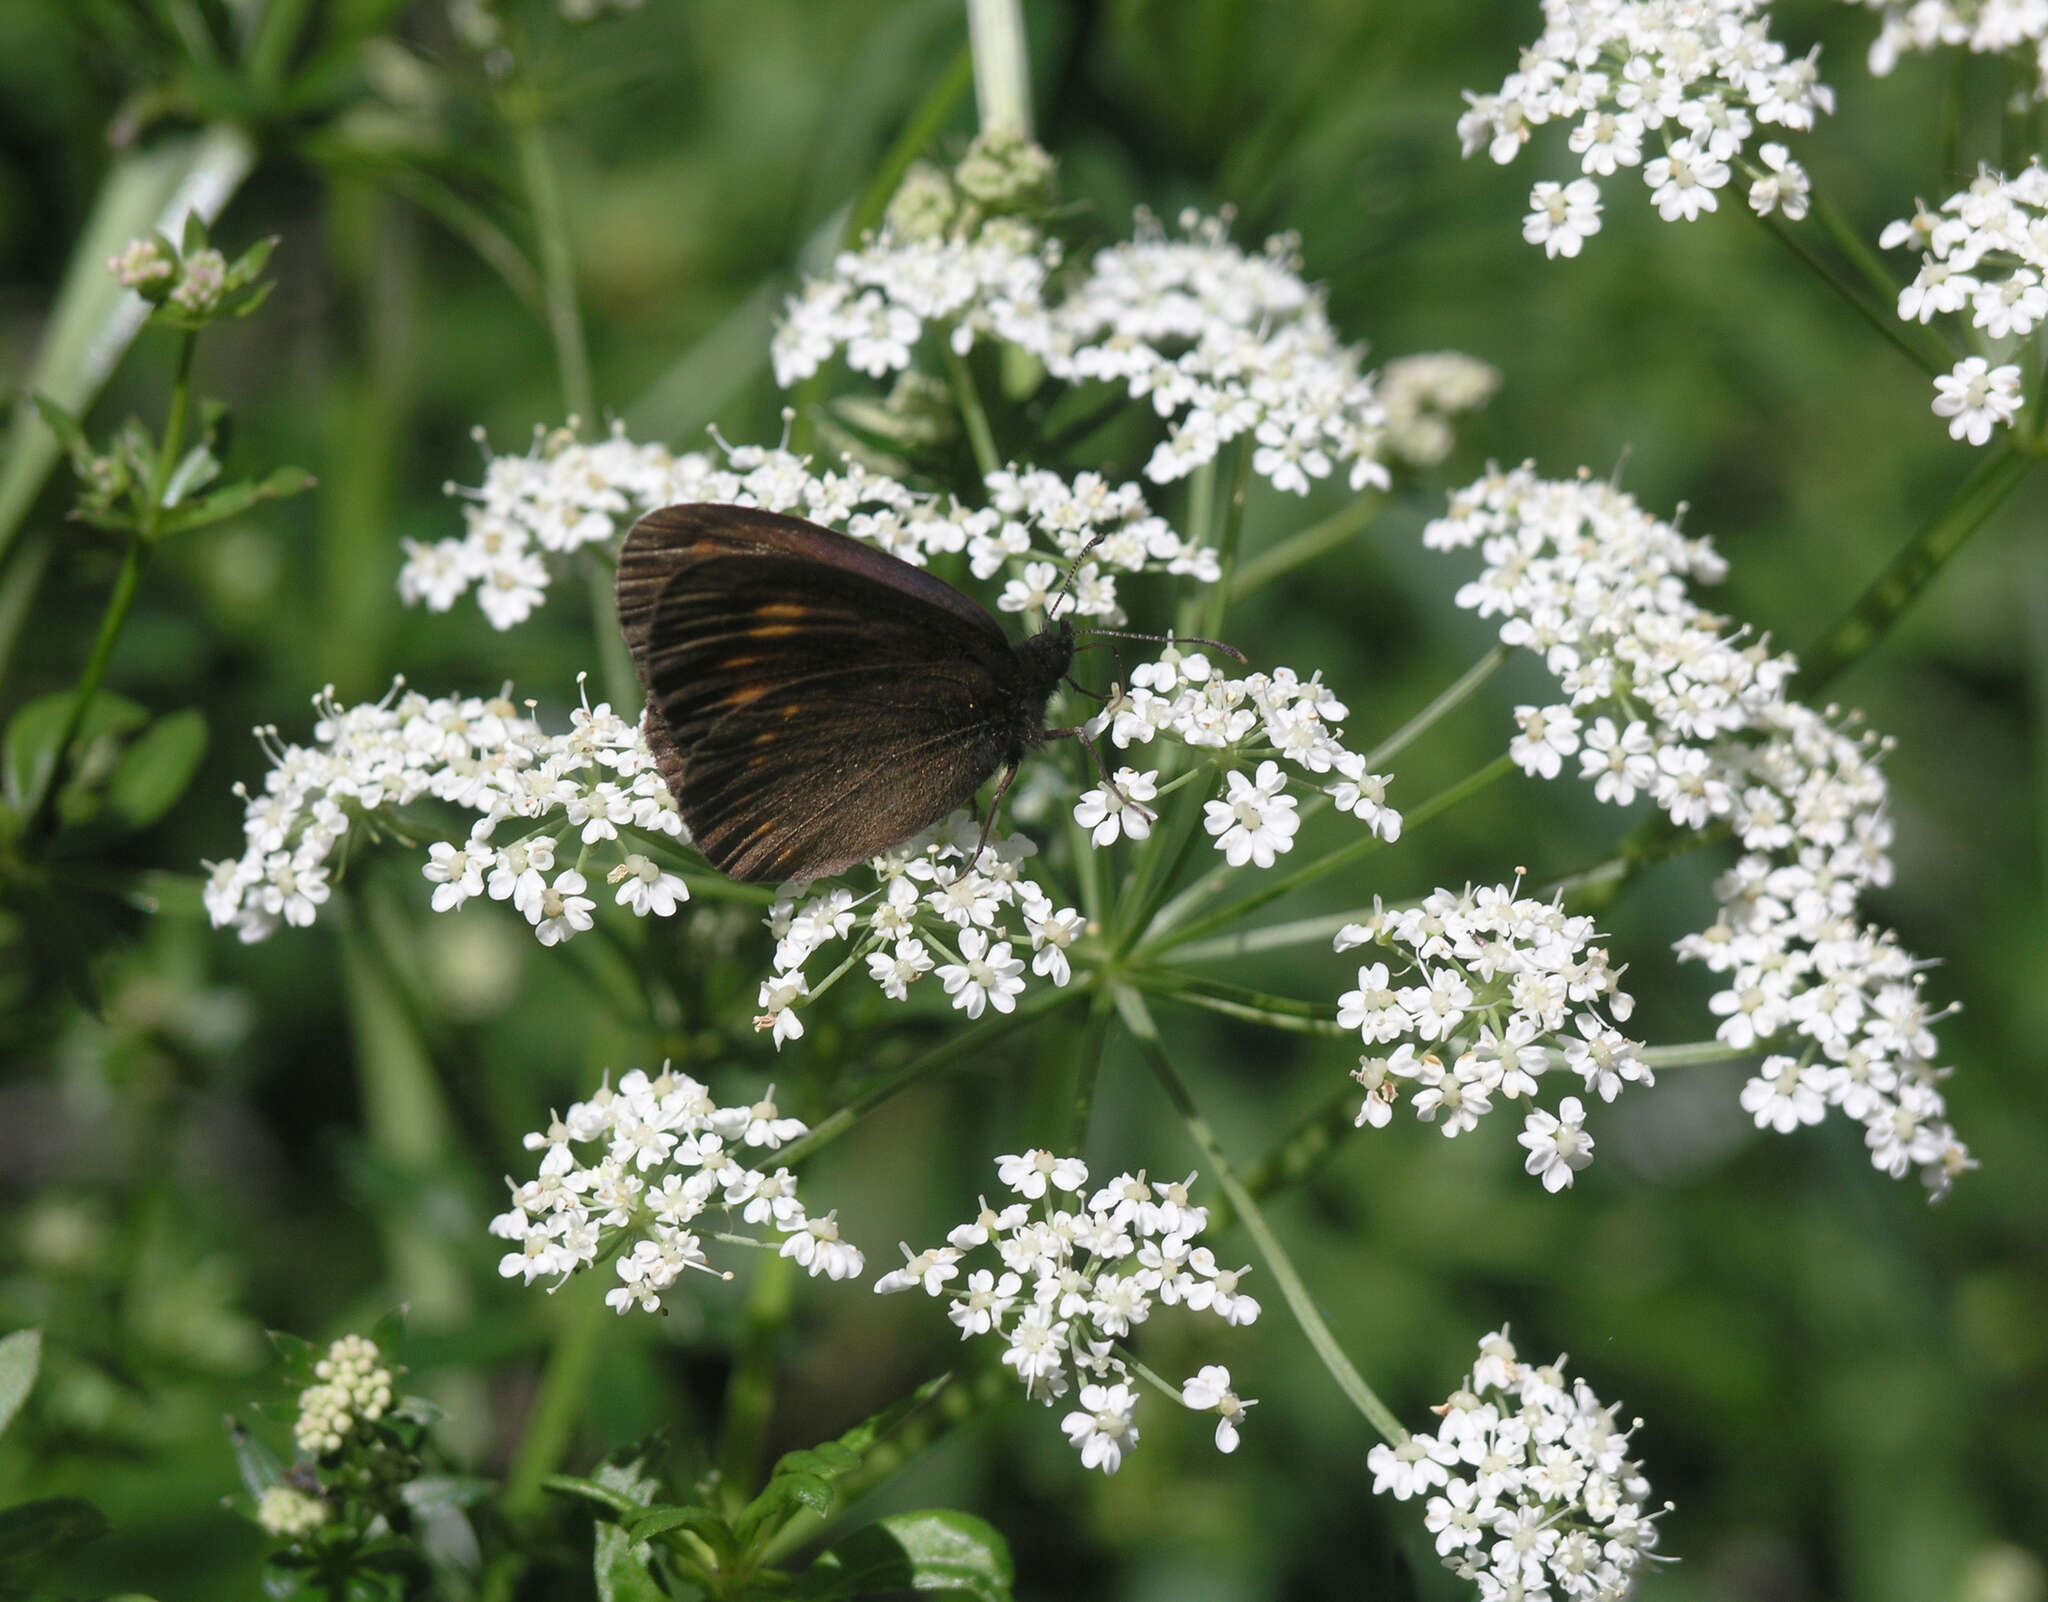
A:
[(811, 701)]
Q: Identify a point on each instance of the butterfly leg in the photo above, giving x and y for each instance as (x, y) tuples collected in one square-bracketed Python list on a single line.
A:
[(995, 807), (1108, 783)]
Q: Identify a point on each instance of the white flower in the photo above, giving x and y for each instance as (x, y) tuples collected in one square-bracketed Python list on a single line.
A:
[(1118, 808), (1784, 1096), (1558, 1144), (1977, 398), (1784, 187), (1210, 1392), (1105, 1428), (561, 909), (985, 976), (818, 1249), (1256, 820), (646, 887), (1562, 217)]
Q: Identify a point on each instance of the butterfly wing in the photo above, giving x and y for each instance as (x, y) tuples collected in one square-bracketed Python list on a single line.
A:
[(812, 701)]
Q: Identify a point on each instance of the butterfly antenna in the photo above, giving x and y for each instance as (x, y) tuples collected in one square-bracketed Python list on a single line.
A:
[(1089, 639), (1073, 568)]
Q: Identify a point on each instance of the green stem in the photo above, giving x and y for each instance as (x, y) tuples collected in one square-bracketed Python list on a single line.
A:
[(1284, 1013), (1002, 66), (174, 437), (126, 583), (1854, 246), (1330, 862), (1913, 569), (564, 1393), (1452, 698), (919, 134), (962, 1043), (557, 266), (277, 35), (750, 1389), (979, 435), (1217, 602), (1698, 1054), (1297, 550), (1292, 1290), (1918, 346), (1298, 1151), (1270, 937)]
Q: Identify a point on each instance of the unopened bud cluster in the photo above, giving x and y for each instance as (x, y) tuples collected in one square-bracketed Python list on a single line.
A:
[(354, 1390)]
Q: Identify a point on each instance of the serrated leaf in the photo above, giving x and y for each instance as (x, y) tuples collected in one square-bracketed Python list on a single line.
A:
[(231, 500), (157, 769), (28, 751), (620, 1572), (298, 1357), (34, 1530), (21, 1355), (938, 1550), (255, 1462), (198, 468)]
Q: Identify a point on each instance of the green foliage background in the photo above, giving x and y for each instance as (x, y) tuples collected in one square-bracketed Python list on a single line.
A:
[(1843, 1391)]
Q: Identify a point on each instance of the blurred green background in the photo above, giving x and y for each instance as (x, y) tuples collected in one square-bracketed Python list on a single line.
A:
[(1843, 1391)]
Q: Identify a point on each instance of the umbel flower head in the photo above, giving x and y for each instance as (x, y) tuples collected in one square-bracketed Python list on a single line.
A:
[(1677, 90), (1664, 699), (1528, 1487), (2014, 28), (1070, 1283), (640, 1173), (1984, 254)]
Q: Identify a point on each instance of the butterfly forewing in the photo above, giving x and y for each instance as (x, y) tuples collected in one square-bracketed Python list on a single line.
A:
[(812, 701)]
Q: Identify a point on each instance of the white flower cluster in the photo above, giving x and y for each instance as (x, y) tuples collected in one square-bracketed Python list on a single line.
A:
[(1700, 75), (1261, 715), (1984, 253), (973, 924), (1482, 994), (352, 1389), (1663, 700), (666, 1154), (1985, 27), (562, 495), (1530, 1488), (1421, 394), (578, 789), (1073, 1282), (931, 911), (1220, 342), (290, 1514)]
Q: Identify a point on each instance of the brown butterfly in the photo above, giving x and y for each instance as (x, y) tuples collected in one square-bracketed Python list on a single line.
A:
[(813, 701)]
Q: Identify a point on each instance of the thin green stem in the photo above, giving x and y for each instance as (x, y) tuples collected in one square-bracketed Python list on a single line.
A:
[(126, 583), (1452, 698), (1297, 1152), (979, 435), (962, 1043), (278, 30), (1270, 937), (563, 1395), (1138, 1019), (557, 264), (1919, 347), (1328, 863), (1002, 66), (750, 1388), (926, 123), (1217, 602), (1297, 550), (1235, 1001), (1854, 246), (1698, 1054), (174, 436), (1913, 569)]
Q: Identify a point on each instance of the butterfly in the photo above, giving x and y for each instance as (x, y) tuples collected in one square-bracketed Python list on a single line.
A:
[(813, 701)]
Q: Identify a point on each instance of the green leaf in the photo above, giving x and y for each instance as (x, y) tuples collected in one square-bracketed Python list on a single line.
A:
[(699, 1521), (620, 1569), (34, 1530), (298, 1357), (434, 1492), (157, 769), (195, 234), (21, 1354), (258, 1465), (251, 262), (28, 751), (938, 1550), (618, 1501), (66, 427), (198, 468), (232, 500), (386, 1334)]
